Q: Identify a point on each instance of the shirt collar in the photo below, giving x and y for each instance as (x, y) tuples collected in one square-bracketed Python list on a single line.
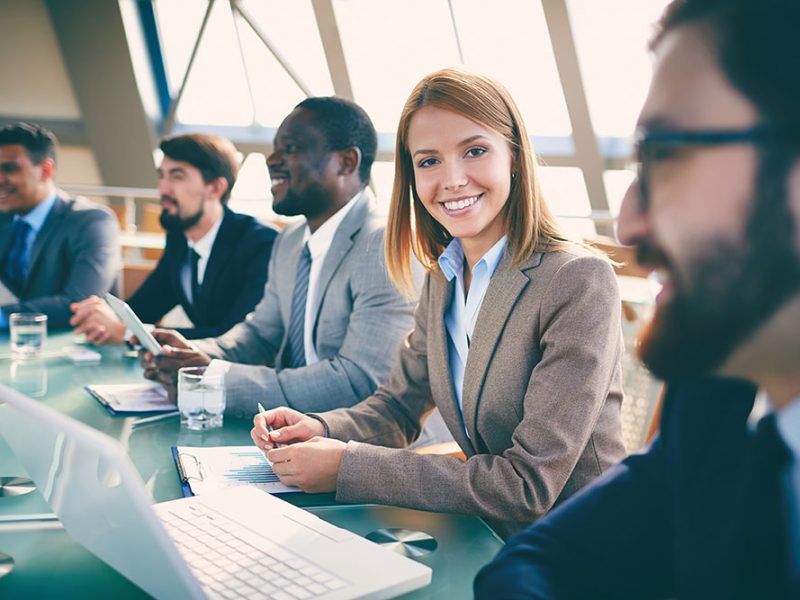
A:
[(204, 244), (37, 216), (451, 261), (788, 420), (321, 239)]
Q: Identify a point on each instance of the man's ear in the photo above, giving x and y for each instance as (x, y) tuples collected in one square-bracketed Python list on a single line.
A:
[(219, 186), (48, 168), (349, 161)]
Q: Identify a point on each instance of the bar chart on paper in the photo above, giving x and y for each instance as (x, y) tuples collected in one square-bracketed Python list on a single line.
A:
[(254, 468), (207, 469)]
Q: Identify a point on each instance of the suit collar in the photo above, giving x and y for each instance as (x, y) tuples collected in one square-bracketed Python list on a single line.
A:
[(51, 224), (220, 251), (342, 242), (504, 290)]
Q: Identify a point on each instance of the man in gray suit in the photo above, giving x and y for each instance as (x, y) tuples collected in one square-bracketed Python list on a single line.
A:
[(54, 250), (329, 325)]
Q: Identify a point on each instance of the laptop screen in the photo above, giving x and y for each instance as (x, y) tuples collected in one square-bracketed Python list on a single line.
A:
[(89, 482)]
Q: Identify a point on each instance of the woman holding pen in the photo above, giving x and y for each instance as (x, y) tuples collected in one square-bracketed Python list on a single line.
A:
[(517, 335)]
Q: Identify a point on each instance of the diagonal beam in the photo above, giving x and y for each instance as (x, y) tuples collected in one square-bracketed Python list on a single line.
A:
[(169, 122), (332, 44), (114, 120), (587, 152), (272, 48)]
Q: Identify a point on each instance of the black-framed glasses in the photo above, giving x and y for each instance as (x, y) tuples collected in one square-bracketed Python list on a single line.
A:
[(661, 144)]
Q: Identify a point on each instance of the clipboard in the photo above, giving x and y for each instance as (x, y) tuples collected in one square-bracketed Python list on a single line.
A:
[(210, 469), (183, 477)]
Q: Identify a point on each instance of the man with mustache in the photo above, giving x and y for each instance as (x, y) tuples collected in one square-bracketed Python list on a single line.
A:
[(330, 323), (712, 509), (54, 249), (215, 261)]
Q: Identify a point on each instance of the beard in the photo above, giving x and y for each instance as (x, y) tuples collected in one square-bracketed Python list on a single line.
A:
[(179, 224), (731, 288), (311, 203)]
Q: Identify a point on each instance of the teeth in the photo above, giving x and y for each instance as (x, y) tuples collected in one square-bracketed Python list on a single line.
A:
[(278, 180), (459, 204)]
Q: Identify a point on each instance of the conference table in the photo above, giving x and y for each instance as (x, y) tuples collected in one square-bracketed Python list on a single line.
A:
[(49, 563)]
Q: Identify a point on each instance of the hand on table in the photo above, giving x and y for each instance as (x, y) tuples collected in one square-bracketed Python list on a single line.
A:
[(94, 318)]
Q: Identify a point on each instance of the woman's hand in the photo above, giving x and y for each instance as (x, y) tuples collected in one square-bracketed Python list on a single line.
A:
[(313, 466), (283, 426)]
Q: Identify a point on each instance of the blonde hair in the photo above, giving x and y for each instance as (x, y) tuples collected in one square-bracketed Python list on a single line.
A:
[(529, 224)]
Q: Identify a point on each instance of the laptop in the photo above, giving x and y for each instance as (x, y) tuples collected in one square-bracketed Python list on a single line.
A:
[(241, 542)]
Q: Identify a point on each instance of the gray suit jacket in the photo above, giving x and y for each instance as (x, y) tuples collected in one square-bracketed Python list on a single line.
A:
[(360, 321), (75, 254), (541, 396)]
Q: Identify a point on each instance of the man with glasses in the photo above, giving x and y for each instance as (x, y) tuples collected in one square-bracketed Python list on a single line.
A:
[(712, 509)]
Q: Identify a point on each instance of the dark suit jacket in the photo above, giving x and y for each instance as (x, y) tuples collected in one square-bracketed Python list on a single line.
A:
[(693, 517), (232, 285), (76, 254)]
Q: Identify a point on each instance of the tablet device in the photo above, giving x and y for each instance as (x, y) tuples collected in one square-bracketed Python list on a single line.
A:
[(124, 312)]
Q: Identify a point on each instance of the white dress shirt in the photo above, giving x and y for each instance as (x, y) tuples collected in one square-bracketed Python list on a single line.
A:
[(460, 318), (788, 421), (318, 245)]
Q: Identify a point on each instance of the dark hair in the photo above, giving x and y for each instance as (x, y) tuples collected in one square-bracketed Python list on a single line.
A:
[(212, 155), (38, 141), (345, 125), (757, 46)]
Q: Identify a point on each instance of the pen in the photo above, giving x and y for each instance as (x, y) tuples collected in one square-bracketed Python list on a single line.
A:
[(156, 418), (261, 411)]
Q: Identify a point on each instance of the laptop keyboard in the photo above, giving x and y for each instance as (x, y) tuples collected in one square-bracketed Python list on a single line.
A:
[(229, 563)]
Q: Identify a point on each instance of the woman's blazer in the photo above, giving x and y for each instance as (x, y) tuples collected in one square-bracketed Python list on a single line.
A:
[(541, 397)]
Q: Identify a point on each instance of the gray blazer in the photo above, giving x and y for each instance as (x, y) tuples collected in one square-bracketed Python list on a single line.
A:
[(75, 254), (360, 320), (542, 394)]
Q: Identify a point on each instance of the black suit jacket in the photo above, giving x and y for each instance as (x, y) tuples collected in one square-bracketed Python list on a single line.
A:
[(693, 517), (232, 285)]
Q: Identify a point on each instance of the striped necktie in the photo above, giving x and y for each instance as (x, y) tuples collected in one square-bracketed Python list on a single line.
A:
[(296, 349)]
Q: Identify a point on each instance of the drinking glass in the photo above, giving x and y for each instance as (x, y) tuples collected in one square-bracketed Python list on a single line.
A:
[(28, 332), (201, 397)]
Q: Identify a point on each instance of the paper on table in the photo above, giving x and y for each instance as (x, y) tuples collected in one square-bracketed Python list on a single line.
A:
[(208, 469), (132, 398)]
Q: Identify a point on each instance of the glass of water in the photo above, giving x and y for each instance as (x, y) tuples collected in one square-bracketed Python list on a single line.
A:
[(28, 332), (201, 397)]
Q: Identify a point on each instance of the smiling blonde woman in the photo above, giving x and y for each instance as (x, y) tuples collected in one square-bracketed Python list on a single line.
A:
[(517, 334)]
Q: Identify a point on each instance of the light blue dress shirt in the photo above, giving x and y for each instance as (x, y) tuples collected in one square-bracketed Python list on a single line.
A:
[(463, 312), (788, 421), (35, 218)]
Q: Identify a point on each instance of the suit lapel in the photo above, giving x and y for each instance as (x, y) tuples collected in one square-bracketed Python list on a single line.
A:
[(49, 227), (340, 246), (438, 358), (6, 239), (504, 289), (220, 251)]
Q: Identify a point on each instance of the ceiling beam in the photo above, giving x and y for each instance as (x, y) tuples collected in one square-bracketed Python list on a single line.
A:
[(332, 44), (94, 45), (587, 151)]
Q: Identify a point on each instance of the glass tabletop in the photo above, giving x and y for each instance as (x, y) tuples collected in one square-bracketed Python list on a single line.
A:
[(47, 559)]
